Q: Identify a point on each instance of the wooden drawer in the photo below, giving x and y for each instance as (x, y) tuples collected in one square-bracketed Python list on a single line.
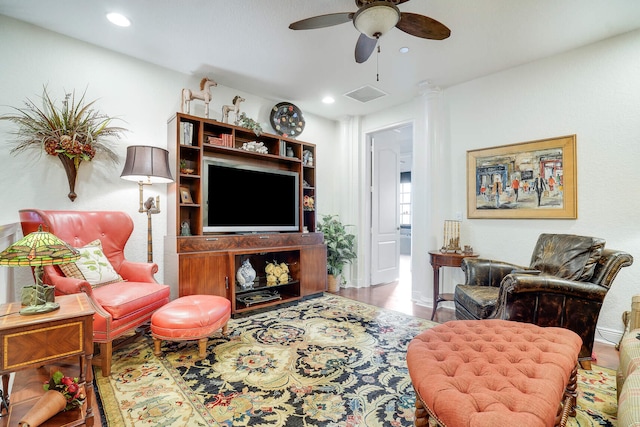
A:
[(246, 241)]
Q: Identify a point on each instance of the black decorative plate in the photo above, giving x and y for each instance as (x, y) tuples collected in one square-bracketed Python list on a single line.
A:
[(287, 119)]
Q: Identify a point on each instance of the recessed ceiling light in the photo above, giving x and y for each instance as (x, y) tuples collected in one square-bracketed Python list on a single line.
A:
[(118, 19), (328, 100), (404, 49)]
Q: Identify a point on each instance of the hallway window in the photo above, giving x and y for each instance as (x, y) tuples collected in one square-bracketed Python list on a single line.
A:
[(405, 199)]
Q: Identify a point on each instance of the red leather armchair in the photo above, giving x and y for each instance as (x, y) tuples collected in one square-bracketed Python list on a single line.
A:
[(120, 306)]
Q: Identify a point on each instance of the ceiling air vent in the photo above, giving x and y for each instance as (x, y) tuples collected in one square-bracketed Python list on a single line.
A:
[(365, 94)]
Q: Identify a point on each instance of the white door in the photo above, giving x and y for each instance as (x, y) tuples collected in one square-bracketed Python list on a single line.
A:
[(385, 215)]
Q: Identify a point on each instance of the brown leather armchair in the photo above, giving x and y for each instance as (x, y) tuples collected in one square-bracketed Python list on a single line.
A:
[(564, 285), (122, 305)]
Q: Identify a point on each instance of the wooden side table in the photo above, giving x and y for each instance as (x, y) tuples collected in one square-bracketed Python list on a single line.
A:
[(439, 259), (28, 342)]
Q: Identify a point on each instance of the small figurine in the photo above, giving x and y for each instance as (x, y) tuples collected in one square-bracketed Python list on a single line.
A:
[(235, 108), (246, 275), (185, 230), (204, 94), (307, 158)]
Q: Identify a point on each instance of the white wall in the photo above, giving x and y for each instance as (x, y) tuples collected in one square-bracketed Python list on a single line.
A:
[(143, 95)]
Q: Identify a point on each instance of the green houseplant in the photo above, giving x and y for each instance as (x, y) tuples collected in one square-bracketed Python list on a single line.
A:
[(341, 247), (74, 132)]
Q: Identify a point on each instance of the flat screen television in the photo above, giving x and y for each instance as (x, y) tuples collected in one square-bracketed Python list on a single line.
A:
[(242, 198)]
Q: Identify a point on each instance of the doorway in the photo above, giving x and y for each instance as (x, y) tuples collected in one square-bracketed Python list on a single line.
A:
[(391, 195)]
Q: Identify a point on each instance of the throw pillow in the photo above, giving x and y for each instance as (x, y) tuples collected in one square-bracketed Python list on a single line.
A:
[(93, 266)]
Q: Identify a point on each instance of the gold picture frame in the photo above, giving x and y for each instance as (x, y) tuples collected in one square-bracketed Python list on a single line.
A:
[(185, 195), (546, 175)]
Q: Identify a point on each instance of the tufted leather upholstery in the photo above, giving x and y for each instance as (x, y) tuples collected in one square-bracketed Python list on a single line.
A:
[(489, 373), (564, 286), (120, 307)]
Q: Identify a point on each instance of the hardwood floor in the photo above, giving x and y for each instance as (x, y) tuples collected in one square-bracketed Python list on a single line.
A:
[(397, 296)]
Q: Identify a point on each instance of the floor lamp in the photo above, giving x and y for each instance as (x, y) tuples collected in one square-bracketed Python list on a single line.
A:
[(147, 165)]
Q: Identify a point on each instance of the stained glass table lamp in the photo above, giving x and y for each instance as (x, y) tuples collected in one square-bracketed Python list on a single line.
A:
[(36, 250)]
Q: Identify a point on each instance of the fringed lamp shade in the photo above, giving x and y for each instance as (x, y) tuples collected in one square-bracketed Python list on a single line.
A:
[(38, 249)]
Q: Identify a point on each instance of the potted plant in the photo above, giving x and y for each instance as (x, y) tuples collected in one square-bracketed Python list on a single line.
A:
[(74, 133), (341, 248)]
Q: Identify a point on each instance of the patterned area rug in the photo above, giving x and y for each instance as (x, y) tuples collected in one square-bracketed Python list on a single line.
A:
[(327, 361)]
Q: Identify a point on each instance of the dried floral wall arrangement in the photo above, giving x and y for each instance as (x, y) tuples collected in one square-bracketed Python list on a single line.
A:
[(74, 132)]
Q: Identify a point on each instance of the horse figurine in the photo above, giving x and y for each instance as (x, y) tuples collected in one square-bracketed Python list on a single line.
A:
[(204, 94), (235, 108)]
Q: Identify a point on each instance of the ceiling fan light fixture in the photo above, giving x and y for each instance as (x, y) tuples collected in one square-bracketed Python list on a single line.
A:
[(376, 18)]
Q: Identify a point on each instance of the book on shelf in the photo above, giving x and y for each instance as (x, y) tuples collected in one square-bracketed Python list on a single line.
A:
[(186, 133), (215, 140)]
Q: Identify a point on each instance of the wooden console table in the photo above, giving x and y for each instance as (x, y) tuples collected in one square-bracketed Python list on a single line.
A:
[(28, 342), (439, 259)]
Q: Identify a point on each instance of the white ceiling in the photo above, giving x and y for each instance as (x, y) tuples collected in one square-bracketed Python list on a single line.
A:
[(247, 45)]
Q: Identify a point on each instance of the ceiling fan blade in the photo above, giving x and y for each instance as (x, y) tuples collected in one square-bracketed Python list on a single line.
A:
[(364, 48), (422, 26), (322, 21)]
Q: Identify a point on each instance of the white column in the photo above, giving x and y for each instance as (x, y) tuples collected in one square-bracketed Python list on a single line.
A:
[(346, 200), (432, 192)]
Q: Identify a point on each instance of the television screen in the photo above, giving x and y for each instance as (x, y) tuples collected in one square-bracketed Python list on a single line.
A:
[(243, 198)]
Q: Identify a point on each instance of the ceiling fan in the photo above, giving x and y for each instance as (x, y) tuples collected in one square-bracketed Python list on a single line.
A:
[(373, 19)]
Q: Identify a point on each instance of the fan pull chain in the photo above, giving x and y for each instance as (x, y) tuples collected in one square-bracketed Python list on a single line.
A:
[(377, 65)]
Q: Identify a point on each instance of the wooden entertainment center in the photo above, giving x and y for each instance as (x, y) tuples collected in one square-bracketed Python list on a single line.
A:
[(206, 263)]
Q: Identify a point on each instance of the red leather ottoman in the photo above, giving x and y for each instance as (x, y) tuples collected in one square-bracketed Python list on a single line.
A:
[(194, 317), (490, 373)]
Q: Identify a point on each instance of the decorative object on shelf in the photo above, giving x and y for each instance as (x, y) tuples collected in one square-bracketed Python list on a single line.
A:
[(186, 133), (287, 120), (451, 237), (235, 108), (49, 404), (249, 123), (74, 133), (290, 152), (185, 229), (258, 297), (62, 394), (203, 94), (184, 169), (185, 195), (341, 247), (36, 250), (147, 165), (257, 147), (307, 158), (468, 250), (246, 275), (308, 203), (67, 386), (277, 273)]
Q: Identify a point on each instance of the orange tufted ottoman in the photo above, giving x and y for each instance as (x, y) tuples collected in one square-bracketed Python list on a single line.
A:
[(491, 373), (194, 317)]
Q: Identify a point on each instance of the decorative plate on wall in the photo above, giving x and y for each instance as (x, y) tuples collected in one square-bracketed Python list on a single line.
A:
[(287, 119)]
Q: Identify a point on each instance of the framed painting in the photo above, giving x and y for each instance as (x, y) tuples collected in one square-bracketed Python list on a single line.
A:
[(534, 180)]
